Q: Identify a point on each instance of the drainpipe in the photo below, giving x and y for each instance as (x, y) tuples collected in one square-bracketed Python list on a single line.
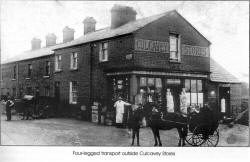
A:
[(91, 77)]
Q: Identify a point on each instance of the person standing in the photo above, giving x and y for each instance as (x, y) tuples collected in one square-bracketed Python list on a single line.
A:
[(170, 102), (9, 106), (119, 105), (183, 103)]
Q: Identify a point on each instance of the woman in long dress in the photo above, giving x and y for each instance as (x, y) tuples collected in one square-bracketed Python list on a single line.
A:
[(183, 102), (170, 101), (119, 105)]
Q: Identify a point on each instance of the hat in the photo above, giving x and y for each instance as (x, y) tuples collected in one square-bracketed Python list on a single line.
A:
[(119, 98)]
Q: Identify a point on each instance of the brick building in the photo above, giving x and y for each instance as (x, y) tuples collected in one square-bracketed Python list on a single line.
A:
[(159, 53)]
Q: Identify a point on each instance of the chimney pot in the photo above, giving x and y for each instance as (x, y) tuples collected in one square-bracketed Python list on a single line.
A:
[(68, 34), (50, 39), (35, 43), (89, 25)]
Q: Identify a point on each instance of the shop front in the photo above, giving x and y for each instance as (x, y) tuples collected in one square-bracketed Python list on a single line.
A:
[(170, 91)]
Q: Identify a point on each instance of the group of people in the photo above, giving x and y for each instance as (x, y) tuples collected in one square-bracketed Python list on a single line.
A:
[(27, 106), (9, 104), (140, 101)]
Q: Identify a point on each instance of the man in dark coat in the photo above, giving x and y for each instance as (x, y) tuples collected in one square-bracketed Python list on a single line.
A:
[(9, 105)]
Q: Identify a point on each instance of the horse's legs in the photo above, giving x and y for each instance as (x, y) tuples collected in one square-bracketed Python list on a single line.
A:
[(158, 136), (184, 135), (138, 137), (154, 133), (133, 136), (180, 136)]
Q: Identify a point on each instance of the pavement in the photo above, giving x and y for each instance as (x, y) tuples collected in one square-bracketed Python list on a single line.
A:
[(72, 132)]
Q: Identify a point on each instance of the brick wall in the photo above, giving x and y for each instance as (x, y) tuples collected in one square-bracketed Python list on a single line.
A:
[(159, 30), (81, 75), (37, 79)]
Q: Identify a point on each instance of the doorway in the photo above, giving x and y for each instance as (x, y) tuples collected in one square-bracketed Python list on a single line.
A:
[(174, 86), (224, 100), (57, 97)]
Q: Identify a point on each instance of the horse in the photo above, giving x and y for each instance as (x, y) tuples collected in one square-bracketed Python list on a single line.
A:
[(171, 120), (134, 123)]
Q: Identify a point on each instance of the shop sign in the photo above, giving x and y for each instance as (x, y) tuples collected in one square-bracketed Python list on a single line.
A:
[(195, 51), (151, 46), (163, 47)]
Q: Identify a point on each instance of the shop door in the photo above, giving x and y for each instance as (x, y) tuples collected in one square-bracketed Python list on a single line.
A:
[(174, 87), (224, 100)]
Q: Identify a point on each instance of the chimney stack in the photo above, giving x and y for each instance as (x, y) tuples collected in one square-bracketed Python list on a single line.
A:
[(35, 43), (121, 15), (89, 25), (68, 34), (50, 39)]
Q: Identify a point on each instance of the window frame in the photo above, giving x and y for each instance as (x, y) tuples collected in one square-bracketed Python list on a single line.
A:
[(74, 61), (177, 48), (14, 72), (73, 93), (47, 68), (197, 92), (57, 61), (103, 51), (29, 71)]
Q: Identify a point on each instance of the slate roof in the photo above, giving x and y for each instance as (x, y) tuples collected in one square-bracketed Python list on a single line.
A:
[(97, 35), (109, 33), (220, 74), (30, 54), (94, 36)]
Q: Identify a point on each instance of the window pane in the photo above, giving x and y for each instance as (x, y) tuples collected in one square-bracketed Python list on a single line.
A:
[(150, 81), (193, 86), (200, 99), (187, 85), (142, 82), (105, 45), (193, 98), (199, 85), (173, 43), (188, 98), (158, 83)]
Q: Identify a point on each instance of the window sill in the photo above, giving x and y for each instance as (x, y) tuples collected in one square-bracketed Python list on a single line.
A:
[(13, 79), (27, 78), (73, 103), (76, 69), (46, 76), (175, 61), (58, 71), (103, 61)]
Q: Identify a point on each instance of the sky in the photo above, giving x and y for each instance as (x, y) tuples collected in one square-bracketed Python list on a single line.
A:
[(225, 24)]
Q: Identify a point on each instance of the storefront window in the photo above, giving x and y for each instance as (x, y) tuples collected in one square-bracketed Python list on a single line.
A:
[(120, 88), (152, 88), (194, 92)]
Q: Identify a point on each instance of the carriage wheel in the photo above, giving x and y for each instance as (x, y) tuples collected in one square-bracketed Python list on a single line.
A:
[(189, 139), (212, 140), (197, 138)]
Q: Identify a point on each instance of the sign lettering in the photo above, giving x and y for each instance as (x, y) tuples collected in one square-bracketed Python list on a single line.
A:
[(194, 51), (151, 46), (163, 47)]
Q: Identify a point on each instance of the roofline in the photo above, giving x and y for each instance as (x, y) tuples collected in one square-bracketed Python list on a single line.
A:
[(192, 26), (239, 82), (5, 63), (75, 45)]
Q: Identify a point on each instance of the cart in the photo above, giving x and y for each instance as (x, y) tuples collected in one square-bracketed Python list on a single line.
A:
[(203, 130)]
